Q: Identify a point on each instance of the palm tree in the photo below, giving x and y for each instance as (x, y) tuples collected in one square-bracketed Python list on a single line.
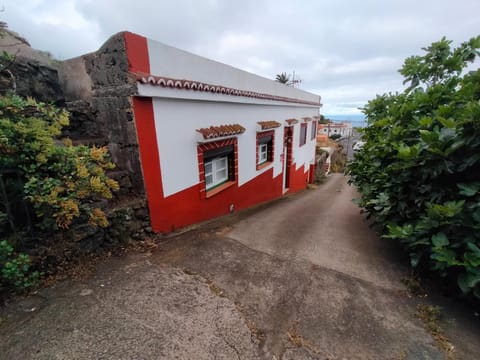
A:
[(283, 78)]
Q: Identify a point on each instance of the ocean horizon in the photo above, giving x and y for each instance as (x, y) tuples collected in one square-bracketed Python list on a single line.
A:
[(357, 120)]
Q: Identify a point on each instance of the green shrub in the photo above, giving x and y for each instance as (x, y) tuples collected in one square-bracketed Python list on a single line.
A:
[(419, 171), (61, 181), (15, 271)]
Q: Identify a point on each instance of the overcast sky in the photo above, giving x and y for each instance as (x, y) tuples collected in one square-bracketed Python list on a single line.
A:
[(345, 51)]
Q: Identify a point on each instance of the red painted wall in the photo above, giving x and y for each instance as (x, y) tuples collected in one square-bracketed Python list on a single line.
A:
[(149, 157), (187, 207), (137, 53), (298, 179)]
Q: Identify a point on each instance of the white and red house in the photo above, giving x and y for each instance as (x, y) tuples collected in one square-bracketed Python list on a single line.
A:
[(213, 138), (344, 129)]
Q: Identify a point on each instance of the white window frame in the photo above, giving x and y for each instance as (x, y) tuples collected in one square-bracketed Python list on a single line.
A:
[(262, 153), (218, 165)]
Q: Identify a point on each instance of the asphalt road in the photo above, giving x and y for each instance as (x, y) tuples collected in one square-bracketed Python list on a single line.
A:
[(348, 144), (304, 277)]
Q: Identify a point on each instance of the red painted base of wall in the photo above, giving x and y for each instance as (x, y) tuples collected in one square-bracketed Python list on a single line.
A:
[(187, 207), (298, 178)]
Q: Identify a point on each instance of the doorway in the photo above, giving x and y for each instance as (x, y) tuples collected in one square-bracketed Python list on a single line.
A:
[(287, 156)]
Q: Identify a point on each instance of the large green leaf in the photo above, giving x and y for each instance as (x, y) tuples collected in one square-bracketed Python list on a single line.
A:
[(467, 281), (439, 240), (469, 189)]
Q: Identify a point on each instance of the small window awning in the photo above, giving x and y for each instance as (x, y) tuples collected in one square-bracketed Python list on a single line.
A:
[(268, 125), (220, 131), (306, 119), (291, 122)]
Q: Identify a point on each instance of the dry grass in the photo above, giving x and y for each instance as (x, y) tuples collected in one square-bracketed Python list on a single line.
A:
[(255, 331), (297, 339), (215, 289), (414, 286), (430, 315)]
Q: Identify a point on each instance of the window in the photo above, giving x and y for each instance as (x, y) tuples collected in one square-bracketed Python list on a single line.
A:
[(314, 130), (262, 153), (217, 166), (264, 148), (303, 134), (216, 172)]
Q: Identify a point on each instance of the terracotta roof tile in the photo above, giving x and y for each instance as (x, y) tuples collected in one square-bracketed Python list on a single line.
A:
[(216, 89), (306, 119), (265, 125), (213, 132), (291, 121)]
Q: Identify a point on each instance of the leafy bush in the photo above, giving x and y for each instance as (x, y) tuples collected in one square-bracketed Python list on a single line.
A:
[(15, 272), (419, 171), (335, 136), (62, 182)]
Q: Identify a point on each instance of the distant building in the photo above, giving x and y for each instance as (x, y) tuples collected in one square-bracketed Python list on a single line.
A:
[(343, 128)]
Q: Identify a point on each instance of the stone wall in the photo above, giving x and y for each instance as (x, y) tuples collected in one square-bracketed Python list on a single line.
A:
[(36, 80), (31, 73), (98, 90), (128, 223), (95, 88)]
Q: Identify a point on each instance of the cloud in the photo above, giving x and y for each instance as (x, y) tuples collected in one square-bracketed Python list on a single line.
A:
[(53, 26), (346, 51)]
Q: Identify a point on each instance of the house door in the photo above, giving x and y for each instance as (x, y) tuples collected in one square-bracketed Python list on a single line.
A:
[(287, 157)]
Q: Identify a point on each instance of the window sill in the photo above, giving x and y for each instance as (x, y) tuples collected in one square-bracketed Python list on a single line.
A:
[(219, 189), (264, 165)]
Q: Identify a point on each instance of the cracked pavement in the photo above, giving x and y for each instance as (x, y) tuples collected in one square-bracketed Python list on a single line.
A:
[(303, 277)]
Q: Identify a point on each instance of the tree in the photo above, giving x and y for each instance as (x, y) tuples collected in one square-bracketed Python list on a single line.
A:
[(324, 120), (419, 170), (283, 78)]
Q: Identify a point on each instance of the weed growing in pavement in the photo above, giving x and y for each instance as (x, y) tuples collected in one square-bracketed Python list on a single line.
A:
[(430, 317)]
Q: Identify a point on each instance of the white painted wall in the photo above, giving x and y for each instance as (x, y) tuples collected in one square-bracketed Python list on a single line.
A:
[(303, 155), (176, 122)]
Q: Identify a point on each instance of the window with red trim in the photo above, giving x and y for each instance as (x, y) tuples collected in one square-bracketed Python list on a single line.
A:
[(303, 134), (265, 141), (217, 165)]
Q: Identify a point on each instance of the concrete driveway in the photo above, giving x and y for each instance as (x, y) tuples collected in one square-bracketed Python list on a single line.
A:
[(300, 278)]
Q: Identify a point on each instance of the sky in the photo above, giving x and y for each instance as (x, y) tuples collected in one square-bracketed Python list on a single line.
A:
[(346, 51)]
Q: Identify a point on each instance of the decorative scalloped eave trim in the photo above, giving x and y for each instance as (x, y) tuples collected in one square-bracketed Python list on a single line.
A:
[(199, 86)]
